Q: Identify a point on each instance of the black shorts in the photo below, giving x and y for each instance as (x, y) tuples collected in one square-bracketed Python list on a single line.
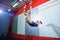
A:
[(33, 24)]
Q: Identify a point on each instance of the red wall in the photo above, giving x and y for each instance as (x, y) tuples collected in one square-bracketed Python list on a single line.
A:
[(25, 37), (35, 3)]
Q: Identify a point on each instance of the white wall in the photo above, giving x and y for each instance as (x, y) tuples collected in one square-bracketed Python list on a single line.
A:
[(50, 16), (21, 24)]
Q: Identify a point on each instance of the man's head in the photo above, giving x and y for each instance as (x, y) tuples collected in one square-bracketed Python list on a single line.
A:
[(26, 13)]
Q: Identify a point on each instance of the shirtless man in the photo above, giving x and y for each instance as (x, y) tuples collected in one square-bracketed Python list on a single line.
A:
[(29, 21)]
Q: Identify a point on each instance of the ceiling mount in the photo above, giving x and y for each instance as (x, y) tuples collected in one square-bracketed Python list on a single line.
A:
[(14, 4)]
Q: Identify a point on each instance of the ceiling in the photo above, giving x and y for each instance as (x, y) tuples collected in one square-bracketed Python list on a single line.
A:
[(10, 3)]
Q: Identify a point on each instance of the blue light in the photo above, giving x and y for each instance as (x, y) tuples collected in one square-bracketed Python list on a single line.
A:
[(5, 10), (1, 11)]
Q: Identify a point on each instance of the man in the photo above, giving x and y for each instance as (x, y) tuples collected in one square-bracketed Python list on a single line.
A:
[(29, 21), (31, 27)]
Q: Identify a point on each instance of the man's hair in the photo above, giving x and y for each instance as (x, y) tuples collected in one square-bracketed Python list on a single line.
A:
[(25, 11)]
